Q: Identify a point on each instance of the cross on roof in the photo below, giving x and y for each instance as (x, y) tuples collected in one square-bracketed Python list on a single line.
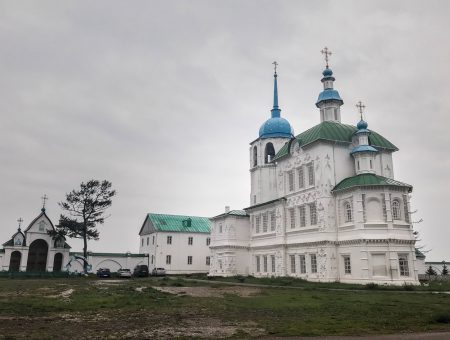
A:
[(275, 64), (44, 198), (327, 53), (20, 220), (361, 108)]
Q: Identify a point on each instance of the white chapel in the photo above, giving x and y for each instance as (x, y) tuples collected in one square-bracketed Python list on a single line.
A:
[(324, 204)]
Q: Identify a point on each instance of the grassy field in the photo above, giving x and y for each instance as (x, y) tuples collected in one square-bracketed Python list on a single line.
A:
[(87, 307)]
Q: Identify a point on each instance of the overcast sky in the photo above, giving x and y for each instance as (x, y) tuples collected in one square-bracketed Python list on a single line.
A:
[(162, 99)]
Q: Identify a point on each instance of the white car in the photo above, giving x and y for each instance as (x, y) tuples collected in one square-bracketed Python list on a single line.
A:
[(124, 273)]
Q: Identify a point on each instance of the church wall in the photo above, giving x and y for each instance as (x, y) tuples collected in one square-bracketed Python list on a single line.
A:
[(112, 261)]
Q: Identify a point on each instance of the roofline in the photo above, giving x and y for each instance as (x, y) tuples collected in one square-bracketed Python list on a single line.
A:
[(409, 187), (228, 214), (42, 213), (265, 203), (142, 227)]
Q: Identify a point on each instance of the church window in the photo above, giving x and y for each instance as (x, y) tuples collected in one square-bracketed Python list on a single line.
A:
[(396, 209), (335, 114), (269, 153), (41, 226), (383, 204), (272, 220), (379, 265), (405, 208), (363, 201), (302, 211), (153, 241), (290, 180), (292, 217), (313, 263), (310, 167), (301, 178), (272, 260), (265, 221), (348, 212), (220, 228), (208, 260), (168, 259), (403, 264), (189, 260), (265, 263), (359, 168), (152, 259), (347, 265), (313, 213), (258, 222), (169, 239), (292, 257), (302, 264), (208, 241), (190, 240), (255, 156), (148, 240), (258, 264)]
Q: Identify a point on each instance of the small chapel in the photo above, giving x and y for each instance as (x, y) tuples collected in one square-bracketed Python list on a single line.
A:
[(324, 203)]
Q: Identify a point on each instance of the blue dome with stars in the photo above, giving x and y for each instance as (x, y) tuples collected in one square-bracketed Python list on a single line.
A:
[(276, 127)]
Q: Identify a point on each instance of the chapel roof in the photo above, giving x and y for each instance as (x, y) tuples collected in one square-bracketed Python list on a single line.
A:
[(179, 223), (240, 213), (334, 132), (363, 180)]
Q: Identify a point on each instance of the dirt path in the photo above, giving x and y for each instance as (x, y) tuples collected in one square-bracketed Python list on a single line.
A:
[(413, 336)]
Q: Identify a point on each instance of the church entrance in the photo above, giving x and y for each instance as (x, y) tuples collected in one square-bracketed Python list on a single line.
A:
[(14, 262), (37, 256), (57, 262)]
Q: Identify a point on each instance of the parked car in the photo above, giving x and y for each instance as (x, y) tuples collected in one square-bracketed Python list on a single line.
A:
[(140, 270), (104, 272), (124, 273), (158, 272)]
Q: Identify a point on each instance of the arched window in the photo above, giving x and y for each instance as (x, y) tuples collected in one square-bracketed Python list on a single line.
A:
[(269, 153), (348, 212), (255, 156), (396, 209)]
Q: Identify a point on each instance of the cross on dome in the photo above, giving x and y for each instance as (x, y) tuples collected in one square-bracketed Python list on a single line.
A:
[(275, 64), (44, 198), (361, 108), (20, 220), (327, 53)]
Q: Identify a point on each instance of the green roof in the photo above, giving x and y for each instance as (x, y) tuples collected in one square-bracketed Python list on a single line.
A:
[(368, 180), (334, 132), (180, 223), (109, 254), (240, 213)]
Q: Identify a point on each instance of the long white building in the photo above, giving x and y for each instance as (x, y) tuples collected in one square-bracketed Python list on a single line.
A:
[(324, 204)]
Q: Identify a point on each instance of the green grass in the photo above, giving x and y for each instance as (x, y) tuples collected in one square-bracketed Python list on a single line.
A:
[(28, 307)]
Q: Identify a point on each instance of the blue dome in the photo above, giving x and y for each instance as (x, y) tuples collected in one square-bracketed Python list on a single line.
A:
[(327, 72), (329, 94), (276, 127), (362, 125)]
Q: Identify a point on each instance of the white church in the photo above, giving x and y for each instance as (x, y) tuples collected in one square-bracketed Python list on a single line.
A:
[(324, 204)]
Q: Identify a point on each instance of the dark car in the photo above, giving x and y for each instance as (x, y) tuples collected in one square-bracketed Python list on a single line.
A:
[(140, 270), (104, 272)]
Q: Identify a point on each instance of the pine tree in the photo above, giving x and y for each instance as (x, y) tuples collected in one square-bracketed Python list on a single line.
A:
[(444, 270), (430, 271)]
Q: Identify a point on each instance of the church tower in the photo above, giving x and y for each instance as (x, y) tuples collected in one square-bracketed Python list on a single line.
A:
[(273, 135), (329, 101)]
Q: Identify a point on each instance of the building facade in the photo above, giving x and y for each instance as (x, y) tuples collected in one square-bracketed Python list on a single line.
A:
[(180, 244), (324, 204)]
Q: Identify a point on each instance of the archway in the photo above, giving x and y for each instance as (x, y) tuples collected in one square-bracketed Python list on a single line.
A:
[(14, 262), (269, 153), (57, 262), (37, 256)]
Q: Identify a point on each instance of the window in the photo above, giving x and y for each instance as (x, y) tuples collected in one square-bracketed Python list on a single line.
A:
[(292, 257), (269, 153), (142, 242), (359, 168), (291, 180), (313, 263), (302, 211), (220, 264), (363, 201), (370, 161), (41, 226), (152, 259), (258, 222), (189, 259), (168, 259), (265, 263), (302, 264), (347, 265), (313, 213), (220, 228), (348, 212), (272, 261), (272, 220), (292, 217), (190, 240), (310, 167), (148, 240), (301, 178), (265, 221), (379, 265), (208, 260), (208, 241), (169, 239), (255, 156), (396, 209), (403, 264), (153, 240), (258, 264)]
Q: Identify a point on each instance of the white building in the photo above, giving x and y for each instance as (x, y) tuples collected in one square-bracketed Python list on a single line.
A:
[(324, 204), (180, 244)]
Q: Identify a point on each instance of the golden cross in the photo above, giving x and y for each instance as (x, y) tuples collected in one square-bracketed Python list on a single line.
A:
[(44, 198), (275, 64), (360, 107), (327, 53)]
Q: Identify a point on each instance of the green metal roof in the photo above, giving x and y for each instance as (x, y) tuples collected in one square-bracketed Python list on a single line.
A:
[(240, 213), (368, 180), (109, 254), (180, 223), (335, 132), (419, 254)]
